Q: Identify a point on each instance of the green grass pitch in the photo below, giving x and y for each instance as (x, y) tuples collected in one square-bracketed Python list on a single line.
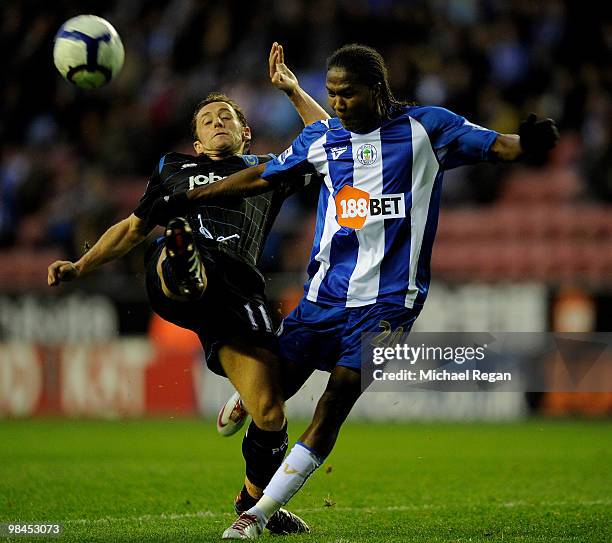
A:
[(175, 481)]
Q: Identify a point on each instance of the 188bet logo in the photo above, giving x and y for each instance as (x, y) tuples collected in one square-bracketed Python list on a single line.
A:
[(355, 206)]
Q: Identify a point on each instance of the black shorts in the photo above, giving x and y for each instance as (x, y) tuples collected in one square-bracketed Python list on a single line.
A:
[(233, 307)]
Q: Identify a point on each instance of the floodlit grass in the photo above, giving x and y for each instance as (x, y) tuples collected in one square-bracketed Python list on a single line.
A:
[(176, 480)]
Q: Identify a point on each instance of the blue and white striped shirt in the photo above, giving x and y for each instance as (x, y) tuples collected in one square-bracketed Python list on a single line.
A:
[(379, 201)]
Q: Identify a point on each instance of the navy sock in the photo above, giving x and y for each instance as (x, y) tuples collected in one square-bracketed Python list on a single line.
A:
[(263, 453), (246, 500)]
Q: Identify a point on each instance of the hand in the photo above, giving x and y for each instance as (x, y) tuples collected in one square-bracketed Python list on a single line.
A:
[(281, 76), (61, 270), (168, 207), (538, 137)]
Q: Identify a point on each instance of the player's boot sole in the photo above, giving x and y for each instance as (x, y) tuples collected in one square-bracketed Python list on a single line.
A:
[(185, 260)]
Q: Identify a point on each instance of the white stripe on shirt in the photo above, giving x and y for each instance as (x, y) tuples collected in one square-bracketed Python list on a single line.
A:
[(317, 156), (424, 171), (365, 280)]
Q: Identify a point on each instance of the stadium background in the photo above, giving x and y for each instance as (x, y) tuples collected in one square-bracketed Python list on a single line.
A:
[(522, 247)]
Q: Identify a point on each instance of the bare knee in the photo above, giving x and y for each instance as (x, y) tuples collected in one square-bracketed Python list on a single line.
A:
[(269, 414), (253, 372)]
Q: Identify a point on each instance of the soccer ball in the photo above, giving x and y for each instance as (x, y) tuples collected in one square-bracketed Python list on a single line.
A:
[(88, 51)]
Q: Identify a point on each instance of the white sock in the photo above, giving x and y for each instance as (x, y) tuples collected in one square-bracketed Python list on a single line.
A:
[(300, 464), (264, 509)]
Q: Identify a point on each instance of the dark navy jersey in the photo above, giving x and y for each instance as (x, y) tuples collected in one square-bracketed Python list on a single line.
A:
[(235, 225)]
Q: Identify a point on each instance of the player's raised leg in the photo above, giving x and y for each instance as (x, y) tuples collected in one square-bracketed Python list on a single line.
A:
[(342, 391)]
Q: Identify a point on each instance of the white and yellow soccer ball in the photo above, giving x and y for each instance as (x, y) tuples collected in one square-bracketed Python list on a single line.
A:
[(88, 51)]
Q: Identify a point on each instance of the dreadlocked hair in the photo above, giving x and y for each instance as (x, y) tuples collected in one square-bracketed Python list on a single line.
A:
[(368, 67)]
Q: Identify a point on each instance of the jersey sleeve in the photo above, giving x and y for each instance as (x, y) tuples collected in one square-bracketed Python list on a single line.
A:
[(296, 164), (153, 191), (455, 140)]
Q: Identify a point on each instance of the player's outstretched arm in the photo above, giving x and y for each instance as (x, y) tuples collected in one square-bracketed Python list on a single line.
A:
[(535, 139), (246, 182), (118, 240), (284, 79)]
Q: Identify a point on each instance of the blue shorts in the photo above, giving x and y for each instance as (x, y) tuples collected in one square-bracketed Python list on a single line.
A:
[(324, 336)]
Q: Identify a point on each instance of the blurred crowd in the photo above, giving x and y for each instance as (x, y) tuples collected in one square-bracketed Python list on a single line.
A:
[(72, 162)]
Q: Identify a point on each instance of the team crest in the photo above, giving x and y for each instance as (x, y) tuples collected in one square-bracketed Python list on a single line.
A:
[(250, 160), (367, 154)]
